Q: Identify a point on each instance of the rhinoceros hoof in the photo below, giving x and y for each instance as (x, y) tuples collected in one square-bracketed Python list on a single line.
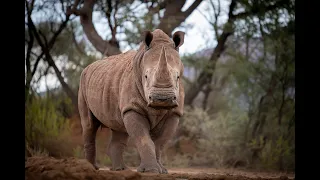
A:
[(149, 169), (164, 171)]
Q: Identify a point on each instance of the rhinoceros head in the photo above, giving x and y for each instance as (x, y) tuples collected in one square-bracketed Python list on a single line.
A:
[(162, 69)]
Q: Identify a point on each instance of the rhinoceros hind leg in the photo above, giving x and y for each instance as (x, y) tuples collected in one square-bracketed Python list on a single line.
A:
[(115, 150), (89, 137), (90, 125)]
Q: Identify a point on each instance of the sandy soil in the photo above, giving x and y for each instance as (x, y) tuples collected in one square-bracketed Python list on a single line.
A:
[(48, 168)]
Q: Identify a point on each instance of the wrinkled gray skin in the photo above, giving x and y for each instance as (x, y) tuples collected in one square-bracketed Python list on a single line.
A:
[(137, 94)]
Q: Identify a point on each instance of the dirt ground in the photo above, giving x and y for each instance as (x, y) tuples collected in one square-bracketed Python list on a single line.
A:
[(48, 168)]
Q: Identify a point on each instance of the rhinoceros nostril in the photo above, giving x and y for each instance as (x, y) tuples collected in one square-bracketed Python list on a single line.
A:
[(149, 97)]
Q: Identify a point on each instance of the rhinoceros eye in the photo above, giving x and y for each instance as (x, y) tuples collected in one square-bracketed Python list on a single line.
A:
[(146, 76)]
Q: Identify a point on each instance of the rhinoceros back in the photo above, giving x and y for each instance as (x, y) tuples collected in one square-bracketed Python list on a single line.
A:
[(100, 86)]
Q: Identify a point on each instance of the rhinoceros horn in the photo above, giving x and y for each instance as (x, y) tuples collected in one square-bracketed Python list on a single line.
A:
[(162, 75)]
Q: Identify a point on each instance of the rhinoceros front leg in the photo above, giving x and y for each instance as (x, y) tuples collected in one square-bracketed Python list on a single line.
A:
[(166, 133), (138, 129), (115, 150)]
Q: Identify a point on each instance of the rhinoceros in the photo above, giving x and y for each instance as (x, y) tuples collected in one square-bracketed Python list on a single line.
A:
[(137, 94)]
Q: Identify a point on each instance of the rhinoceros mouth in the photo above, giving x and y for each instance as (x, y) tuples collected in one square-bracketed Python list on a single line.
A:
[(158, 106), (163, 104)]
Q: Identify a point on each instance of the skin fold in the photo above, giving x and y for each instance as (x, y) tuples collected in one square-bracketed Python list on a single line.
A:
[(136, 94)]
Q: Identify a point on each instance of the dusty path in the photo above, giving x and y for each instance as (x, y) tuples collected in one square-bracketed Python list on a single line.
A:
[(212, 173), (46, 168)]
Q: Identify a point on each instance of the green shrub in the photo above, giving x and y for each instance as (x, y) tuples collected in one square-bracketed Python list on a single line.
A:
[(46, 130), (278, 154)]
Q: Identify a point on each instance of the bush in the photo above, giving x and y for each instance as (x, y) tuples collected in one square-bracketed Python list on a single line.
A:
[(219, 141), (216, 138), (46, 130), (278, 154)]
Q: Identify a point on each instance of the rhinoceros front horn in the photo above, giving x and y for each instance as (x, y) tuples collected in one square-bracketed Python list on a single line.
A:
[(162, 72)]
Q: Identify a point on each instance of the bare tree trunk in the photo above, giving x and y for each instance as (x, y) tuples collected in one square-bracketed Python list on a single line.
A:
[(263, 108), (28, 65), (250, 116), (29, 50), (206, 92), (205, 76)]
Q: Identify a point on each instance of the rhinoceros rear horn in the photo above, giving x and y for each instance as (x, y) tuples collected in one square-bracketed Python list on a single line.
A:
[(147, 38), (178, 39)]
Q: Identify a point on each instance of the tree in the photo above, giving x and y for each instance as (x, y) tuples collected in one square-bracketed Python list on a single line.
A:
[(253, 8), (172, 18), (46, 46)]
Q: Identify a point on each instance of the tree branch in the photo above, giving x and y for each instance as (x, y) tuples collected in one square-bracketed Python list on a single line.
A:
[(76, 43), (173, 16), (231, 9), (85, 14), (30, 45), (113, 27), (114, 32), (44, 38), (206, 76), (49, 44), (29, 50), (191, 8), (255, 10), (160, 6), (216, 15), (51, 63), (108, 14), (36, 64)]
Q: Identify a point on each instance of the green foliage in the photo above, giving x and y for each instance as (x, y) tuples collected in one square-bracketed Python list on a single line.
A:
[(45, 127), (279, 153)]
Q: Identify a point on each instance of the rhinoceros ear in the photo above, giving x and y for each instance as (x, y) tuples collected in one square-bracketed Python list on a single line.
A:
[(178, 39), (147, 38)]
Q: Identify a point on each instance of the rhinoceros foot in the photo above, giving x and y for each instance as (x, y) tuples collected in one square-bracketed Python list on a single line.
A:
[(163, 169), (149, 169)]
